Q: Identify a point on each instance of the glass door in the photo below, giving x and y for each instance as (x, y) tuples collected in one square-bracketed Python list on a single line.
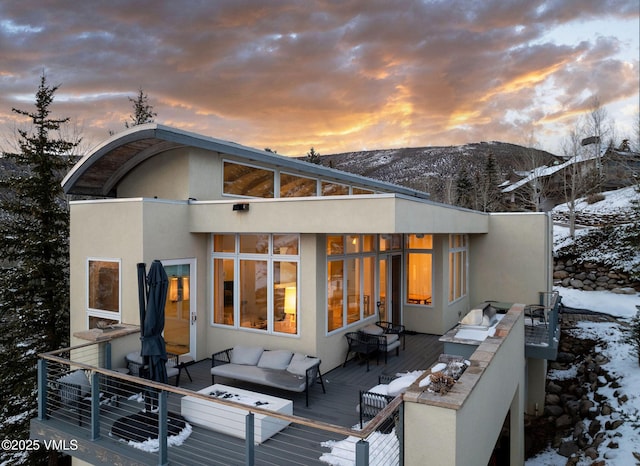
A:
[(389, 288), (180, 308)]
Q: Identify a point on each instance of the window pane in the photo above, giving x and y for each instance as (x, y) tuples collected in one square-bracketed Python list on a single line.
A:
[(297, 186), (224, 243), (369, 285), (254, 244), (285, 298), (369, 243), (285, 244), (104, 285), (419, 278), (223, 272), (356, 190), (353, 244), (93, 322), (420, 241), (353, 290), (243, 180), (335, 294), (390, 242), (335, 245), (253, 294), (334, 189)]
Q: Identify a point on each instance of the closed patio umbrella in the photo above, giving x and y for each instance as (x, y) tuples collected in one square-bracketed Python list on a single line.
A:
[(154, 350)]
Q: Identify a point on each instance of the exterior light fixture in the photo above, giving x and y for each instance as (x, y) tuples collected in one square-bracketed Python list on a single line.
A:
[(240, 207)]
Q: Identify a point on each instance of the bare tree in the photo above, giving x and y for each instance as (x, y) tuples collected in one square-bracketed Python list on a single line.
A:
[(142, 110), (599, 130)]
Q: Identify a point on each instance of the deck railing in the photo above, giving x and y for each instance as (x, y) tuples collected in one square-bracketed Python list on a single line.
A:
[(82, 400)]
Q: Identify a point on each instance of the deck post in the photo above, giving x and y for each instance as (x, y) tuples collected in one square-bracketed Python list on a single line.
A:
[(400, 433), (42, 389), (95, 406), (107, 355), (249, 440), (163, 429), (362, 453)]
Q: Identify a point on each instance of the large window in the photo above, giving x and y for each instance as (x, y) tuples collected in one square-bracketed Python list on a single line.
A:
[(245, 180), (103, 291), (419, 253), (255, 282), (457, 267), (350, 279)]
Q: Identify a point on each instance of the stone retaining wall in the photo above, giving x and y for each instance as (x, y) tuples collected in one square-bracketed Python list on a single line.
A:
[(592, 277)]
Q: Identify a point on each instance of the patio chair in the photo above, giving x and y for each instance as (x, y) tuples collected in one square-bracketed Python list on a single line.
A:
[(136, 366), (375, 399), (386, 341), (362, 345), (74, 390), (537, 313), (390, 328)]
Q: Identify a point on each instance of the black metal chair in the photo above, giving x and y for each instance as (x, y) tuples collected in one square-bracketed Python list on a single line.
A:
[(391, 328), (362, 345)]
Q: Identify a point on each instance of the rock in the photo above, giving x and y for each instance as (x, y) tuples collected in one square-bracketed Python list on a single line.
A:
[(568, 448), (585, 407), (552, 399), (560, 274), (554, 388), (576, 283), (594, 428), (564, 421), (553, 410), (625, 290), (564, 357)]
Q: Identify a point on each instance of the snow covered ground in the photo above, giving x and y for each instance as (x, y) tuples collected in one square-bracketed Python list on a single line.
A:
[(622, 363)]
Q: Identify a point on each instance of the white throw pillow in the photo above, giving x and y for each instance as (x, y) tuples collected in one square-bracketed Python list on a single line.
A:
[(275, 359), (299, 367), (372, 329), (382, 389), (246, 355)]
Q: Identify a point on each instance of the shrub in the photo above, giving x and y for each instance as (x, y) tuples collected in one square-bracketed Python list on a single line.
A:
[(596, 197)]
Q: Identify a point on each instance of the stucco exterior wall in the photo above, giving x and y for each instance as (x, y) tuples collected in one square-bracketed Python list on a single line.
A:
[(513, 263), (462, 427)]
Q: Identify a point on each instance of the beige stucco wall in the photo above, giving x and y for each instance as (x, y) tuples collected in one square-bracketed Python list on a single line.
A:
[(462, 427), (510, 264)]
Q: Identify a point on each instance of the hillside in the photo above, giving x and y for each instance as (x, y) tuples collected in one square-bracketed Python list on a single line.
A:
[(425, 168)]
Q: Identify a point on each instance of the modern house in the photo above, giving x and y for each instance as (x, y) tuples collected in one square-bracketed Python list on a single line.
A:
[(282, 253)]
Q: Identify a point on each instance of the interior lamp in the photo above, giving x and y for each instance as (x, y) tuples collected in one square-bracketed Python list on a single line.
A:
[(178, 289), (290, 303)]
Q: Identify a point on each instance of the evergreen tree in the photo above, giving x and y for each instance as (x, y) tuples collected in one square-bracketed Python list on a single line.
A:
[(489, 186), (34, 278), (142, 111), (313, 157), (464, 189)]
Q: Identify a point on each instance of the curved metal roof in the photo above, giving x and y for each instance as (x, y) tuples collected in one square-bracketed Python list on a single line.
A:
[(99, 172)]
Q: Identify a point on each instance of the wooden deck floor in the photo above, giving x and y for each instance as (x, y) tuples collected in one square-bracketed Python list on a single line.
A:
[(343, 384)]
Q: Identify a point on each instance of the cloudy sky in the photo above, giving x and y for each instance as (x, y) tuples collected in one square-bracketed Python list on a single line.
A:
[(336, 75)]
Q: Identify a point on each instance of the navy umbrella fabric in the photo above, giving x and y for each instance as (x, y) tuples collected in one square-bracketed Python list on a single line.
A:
[(152, 294)]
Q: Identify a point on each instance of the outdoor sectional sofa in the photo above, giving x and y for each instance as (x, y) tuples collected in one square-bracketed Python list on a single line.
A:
[(281, 369)]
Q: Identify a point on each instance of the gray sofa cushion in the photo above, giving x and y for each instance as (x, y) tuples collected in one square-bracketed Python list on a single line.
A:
[(271, 377), (246, 355), (275, 359)]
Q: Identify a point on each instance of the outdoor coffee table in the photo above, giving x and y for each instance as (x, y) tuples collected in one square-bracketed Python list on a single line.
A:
[(231, 420)]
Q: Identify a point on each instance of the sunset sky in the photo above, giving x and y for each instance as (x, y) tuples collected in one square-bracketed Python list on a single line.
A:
[(336, 75)]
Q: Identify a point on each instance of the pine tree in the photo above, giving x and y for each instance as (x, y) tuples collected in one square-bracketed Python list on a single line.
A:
[(489, 186), (34, 278), (313, 157), (464, 189), (142, 111)]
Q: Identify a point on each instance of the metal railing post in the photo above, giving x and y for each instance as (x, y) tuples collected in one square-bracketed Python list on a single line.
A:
[(400, 434), (250, 459), (42, 389), (107, 355), (163, 429), (95, 406), (362, 453)]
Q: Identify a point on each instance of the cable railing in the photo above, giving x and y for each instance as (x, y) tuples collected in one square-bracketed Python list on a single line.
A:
[(108, 412)]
